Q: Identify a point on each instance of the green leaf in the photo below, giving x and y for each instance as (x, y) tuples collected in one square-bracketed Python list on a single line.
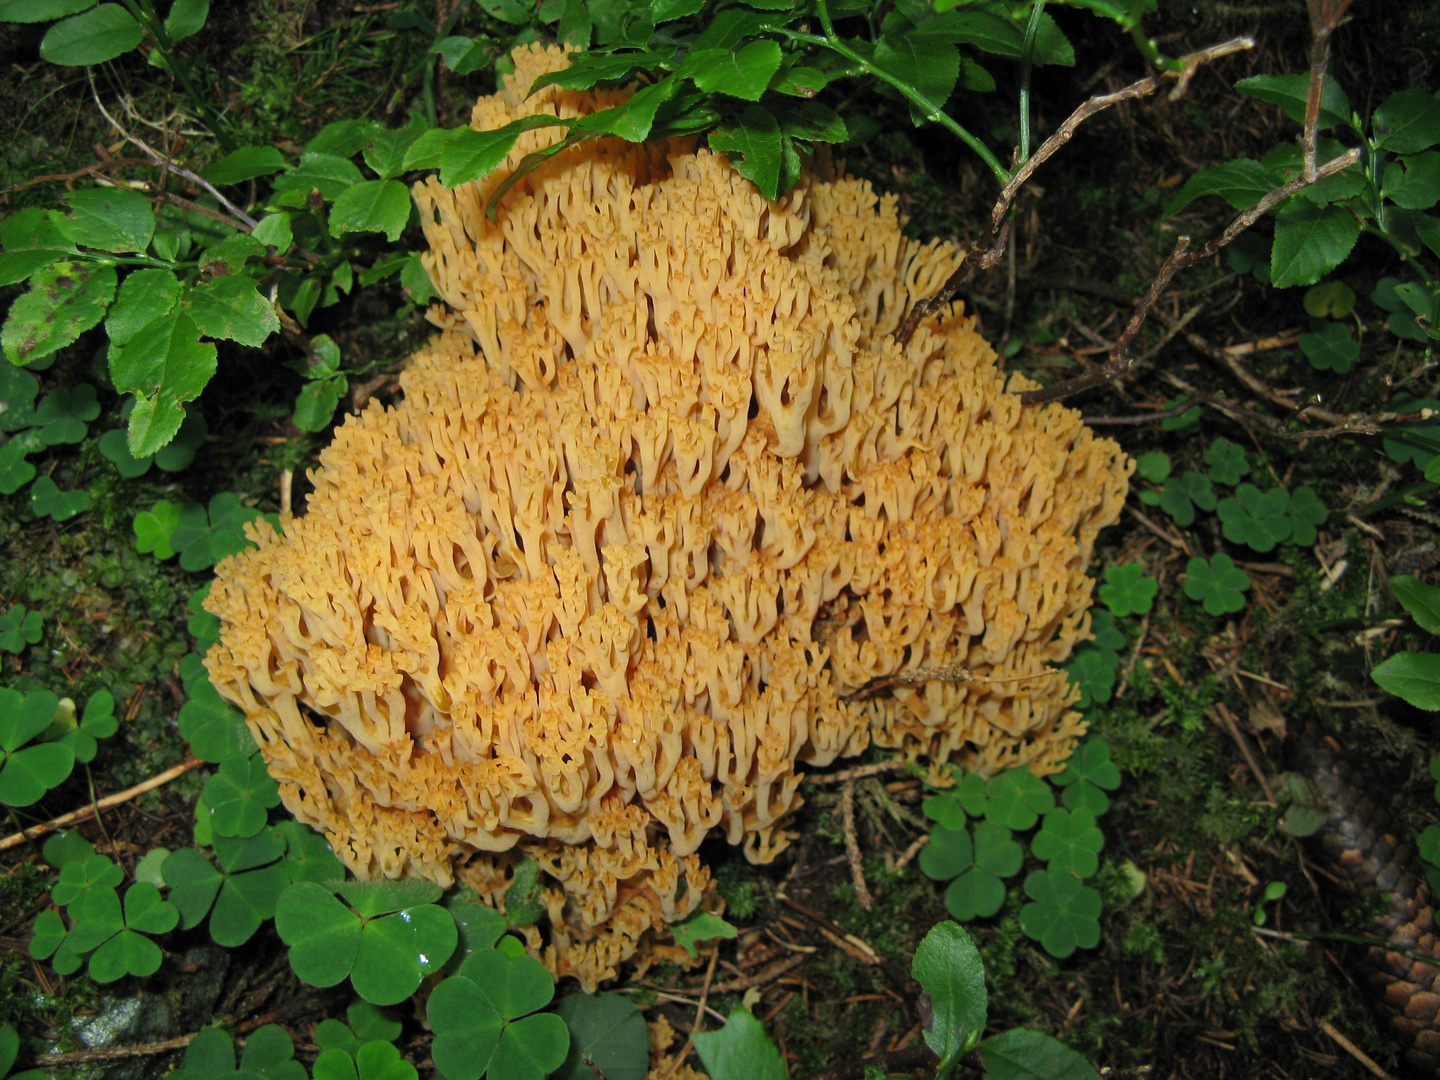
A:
[(984, 30), (1290, 92), (210, 1054), (232, 308), (315, 405), (18, 629), (64, 413), (740, 1050), (1093, 670), (743, 73), (467, 1028), (323, 934), (1241, 183), (16, 266), (752, 143), (246, 900), (466, 155), (68, 847), (1407, 122), (100, 34), (245, 164), (327, 173), (372, 206), (1227, 462), (1331, 348), (64, 301), (1065, 914), (951, 974), (15, 473), (308, 856), (975, 894), (239, 794), (464, 55), (1413, 182), (1127, 590), (33, 11), (343, 139), (1016, 798), (1069, 842), (1219, 583), (700, 927), (270, 1052), (1307, 512), (48, 932), (588, 70), (1310, 241), (1413, 676), (608, 1030), (1090, 763), (1051, 44), (153, 423), (1420, 600), (47, 500), (923, 61), (193, 884), (1258, 519), (23, 716), (1021, 1054), (373, 898), (145, 295), (186, 18), (111, 219), (512, 985), (1153, 466), (397, 951), (949, 853)]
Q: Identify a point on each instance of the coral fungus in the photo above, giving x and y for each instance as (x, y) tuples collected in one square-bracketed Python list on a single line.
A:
[(663, 505)]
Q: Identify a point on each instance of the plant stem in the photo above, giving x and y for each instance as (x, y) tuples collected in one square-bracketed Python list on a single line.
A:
[(143, 11), (1027, 64), (932, 111)]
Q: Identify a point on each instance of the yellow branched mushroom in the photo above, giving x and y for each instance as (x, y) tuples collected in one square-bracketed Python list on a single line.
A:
[(663, 505)]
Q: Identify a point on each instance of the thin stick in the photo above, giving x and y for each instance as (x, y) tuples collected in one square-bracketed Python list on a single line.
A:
[(1354, 1051), (47, 1062), (988, 251), (699, 1017), (910, 852), (857, 773), (87, 812), (852, 846)]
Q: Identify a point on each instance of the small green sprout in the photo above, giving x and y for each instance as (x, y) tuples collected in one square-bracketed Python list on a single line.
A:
[(1127, 590), (1273, 892), (485, 1020), (153, 528), (1064, 915), (954, 806), (1227, 462), (97, 722), (27, 772), (740, 1050), (19, 628), (385, 936), (607, 1032), (525, 898), (1218, 583)]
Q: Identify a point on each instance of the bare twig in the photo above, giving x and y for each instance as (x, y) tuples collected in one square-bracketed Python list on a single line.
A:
[(46, 1062), (87, 812), (1325, 16), (1354, 1051), (910, 853), (852, 846), (1120, 359), (988, 251)]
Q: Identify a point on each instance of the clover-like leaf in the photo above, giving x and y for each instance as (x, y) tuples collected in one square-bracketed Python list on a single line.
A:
[(238, 794), (1227, 462), (949, 853), (1069, 842), (1180, 495), (270, 1052), (1064, 915), (64, 413), (1093, 670), (66, 847), (740, 1050), (952, 808), (82, 876), (321, 930), (1218, 583), (608, 1031), (1307, 512), (1258, 519), (47, 934), (1016, 798), (1128, 590), (19, 628), (215, 729), (308, 856), (1330, 348), (474, 1015), (48, 500), (154, 527), (398, 950)]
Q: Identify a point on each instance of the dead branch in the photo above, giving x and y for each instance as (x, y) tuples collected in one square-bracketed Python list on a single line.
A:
[(991, 246), (87, 812), (1180, 258)]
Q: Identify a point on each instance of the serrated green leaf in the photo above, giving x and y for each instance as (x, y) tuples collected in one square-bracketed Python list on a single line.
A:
[(154, 421), (925, 62), (145, 295), (372, 206), (466, 155), (1291, 91), (1021, 1054), (245, 164), (1407, 122), (164, 356), (1241, 183), (230, 308), (65, 300), (111, 219), (1310, 241), (99, 34), (1413, 182), (327, 173), (608, 1030), (16, 266), (33, 11), (743, 73), (1420, 600), (752, 143)]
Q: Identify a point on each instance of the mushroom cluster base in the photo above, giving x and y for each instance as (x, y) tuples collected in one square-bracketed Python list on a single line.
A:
[(665, 516)]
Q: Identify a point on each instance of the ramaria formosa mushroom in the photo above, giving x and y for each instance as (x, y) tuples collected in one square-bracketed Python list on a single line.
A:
[(663, 505)]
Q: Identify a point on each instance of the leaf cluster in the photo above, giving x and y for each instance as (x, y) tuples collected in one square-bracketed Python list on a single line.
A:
[(41, 740)]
